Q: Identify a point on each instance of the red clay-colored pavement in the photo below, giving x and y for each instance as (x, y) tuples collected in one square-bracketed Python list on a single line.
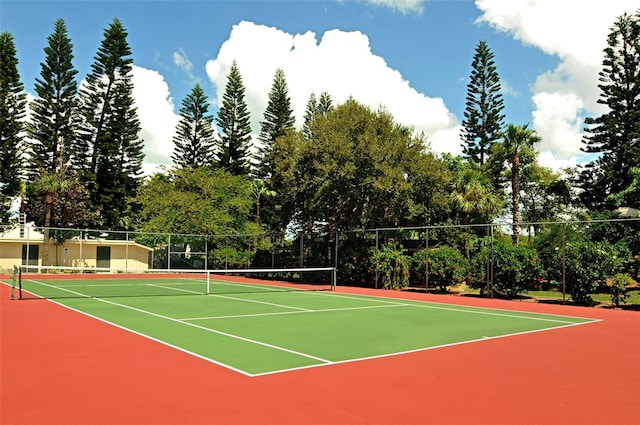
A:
[(61, 367)]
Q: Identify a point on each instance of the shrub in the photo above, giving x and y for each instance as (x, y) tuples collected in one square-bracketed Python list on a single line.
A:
[(391, 265), (588, 265), (618, 285), (515, 268), (446, 266)]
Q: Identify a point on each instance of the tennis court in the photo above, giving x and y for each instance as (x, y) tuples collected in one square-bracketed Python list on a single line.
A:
[(543, 363), (256, 328)]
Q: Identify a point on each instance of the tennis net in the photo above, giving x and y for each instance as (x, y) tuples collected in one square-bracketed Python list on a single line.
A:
[(83, 282)]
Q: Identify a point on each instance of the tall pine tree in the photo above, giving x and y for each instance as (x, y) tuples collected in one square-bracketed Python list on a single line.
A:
[(53, 124), (194, 136), (234, 122), (615, 135), (483, 118), (278, 119), (108, 151), (315, 107), (12, 113)]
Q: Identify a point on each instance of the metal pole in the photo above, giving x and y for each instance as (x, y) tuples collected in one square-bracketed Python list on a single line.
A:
[(491, 265), (126, 251), (564, 264), (301, 235), (427, 261), (335, 254), (376, 280)]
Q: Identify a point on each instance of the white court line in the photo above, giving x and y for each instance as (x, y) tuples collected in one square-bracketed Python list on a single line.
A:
[(324, 362), (174, 289), (259, 302), (465, 309), (417, 350), (276, 347), (295, 312), (437, 306)]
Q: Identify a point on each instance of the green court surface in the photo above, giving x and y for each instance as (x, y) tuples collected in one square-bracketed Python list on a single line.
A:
[(262, 332)]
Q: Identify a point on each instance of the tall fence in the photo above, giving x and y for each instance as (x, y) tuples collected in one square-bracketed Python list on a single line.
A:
[(477, 247), (549, 256)]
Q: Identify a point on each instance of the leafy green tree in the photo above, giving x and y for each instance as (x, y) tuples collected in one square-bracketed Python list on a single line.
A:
[(278, 119), (12, 113), (361, 170), (63, 203), (58, 199), (108, 152), (483, 118), (234, 122), (545, 196), (207, 202), (615, 135), (194, 138), (630, 196), (196, 200), (516, 151), (55, 111)]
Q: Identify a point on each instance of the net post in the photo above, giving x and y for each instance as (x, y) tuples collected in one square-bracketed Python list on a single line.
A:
[(208, 282), (334, 278), (20, 283), (13, 282)]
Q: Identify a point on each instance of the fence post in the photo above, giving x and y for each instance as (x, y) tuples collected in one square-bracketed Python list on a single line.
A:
[(564, 264), (335, 254), (376, 281), (490, 276), (301, 235), (426, 260), (13, 282)]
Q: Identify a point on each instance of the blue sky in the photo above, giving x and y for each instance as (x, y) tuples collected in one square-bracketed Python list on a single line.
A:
[(411, 56)]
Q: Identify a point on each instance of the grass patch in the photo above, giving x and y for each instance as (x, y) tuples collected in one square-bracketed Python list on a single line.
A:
[(633, 302)]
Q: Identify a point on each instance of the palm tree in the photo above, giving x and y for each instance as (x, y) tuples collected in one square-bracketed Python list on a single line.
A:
[(473, 196), (259, 190), (517, 148)]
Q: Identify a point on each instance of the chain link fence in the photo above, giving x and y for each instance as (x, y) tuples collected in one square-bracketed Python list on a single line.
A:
[(550, 256)]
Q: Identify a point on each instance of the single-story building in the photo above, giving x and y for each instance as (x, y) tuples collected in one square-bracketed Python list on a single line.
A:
[(25, 245)]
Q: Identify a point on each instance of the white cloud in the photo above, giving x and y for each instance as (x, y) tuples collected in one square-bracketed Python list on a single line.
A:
[(574, 32), (342, 64), (157, 117), (403, 6), (182, 61), (555, 118), (550, 160)]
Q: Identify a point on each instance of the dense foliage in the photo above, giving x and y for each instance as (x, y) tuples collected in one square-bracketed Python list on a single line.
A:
[(588, 265), (615, 135), (12, 111), (107, 151), (515, 268), (323, 184), (439, 267), (391, 266)]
